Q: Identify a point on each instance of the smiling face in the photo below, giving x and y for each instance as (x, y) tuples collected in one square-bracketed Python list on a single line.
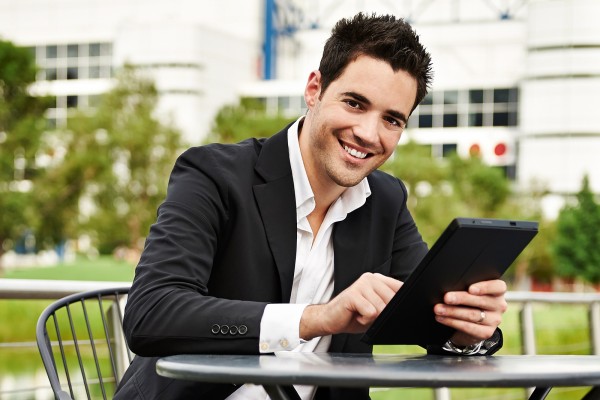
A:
[(354, 126)]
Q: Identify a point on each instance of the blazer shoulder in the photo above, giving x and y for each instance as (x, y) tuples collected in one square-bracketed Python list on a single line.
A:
[(387, 188), (224, 154)]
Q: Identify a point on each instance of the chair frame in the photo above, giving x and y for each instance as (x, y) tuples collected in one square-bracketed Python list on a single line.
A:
[(45, 345)]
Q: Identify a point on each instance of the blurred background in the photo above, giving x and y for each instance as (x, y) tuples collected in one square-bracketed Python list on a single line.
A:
[(98, 97)]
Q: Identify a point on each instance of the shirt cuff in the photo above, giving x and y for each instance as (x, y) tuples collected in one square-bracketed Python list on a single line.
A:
[(280, 327)]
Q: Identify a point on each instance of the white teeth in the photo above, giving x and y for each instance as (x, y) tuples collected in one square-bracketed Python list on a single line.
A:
[(354, 152)]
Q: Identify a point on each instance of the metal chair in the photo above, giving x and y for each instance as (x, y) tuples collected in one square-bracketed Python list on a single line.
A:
[(80, 338)]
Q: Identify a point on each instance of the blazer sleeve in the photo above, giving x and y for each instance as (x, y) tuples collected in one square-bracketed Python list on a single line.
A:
[(169, 309)]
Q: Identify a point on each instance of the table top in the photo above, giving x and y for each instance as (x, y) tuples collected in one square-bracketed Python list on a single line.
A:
[(385, 370)]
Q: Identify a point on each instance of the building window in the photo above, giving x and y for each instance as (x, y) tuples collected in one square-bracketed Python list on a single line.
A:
[(425, 121), (74, 61), (467, 108), (51, 51), (72, 101)]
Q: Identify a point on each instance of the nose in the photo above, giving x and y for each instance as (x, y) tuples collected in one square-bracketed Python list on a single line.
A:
[(366, 129)]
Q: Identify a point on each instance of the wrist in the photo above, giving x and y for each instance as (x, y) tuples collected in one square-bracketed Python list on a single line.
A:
[(311, 323), (463, 350)]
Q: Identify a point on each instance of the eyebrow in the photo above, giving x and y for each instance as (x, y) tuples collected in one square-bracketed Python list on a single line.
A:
[(359, 97)]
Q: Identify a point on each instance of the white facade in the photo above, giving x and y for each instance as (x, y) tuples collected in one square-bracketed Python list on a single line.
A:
[(517, 81), (560, 129)]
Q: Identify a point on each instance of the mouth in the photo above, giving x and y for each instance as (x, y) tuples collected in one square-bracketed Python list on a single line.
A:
[(354, 153)]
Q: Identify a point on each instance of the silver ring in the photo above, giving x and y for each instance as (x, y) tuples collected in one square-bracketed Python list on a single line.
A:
[(481, 316)]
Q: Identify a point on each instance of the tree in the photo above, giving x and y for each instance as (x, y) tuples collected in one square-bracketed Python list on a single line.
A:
[(426, 179), (21, 125), (577, 243), (441, 189), (482, 188), (117, 162), (244, 120)]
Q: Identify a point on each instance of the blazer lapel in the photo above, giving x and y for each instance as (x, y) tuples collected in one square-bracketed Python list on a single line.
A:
[(350, 241), (277, 204)]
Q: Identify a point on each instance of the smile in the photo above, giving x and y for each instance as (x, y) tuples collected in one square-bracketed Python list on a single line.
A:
[(354, 152)]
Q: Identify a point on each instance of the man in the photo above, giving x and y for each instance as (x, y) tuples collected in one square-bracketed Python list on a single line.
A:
[(296, 243)]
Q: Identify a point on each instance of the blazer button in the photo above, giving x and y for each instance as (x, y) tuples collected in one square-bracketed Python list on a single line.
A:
[(224, 329), (233, 330), (215, 329), (243, 329)]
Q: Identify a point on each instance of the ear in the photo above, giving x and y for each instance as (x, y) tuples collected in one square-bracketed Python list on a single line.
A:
[(313, 89)]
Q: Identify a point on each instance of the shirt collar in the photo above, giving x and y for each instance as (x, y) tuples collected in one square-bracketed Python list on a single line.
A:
[(352, 198)]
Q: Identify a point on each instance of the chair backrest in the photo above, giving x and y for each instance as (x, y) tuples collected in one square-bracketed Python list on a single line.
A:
[(80, 338)]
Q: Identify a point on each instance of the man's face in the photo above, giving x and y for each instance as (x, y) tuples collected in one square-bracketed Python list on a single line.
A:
[(354, 126)]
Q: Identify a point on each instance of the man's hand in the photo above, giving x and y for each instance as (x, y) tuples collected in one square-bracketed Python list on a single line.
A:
[(351, 311), (475, 314)]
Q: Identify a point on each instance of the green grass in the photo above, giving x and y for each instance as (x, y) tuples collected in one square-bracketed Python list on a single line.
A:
[(103, 268)]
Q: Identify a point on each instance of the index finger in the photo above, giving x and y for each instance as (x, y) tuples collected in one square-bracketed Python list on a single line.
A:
[(495, 287), (392, 283)]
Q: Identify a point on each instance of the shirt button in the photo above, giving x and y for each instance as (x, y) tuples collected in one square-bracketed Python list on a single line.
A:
[(284, 343), (215, 329), (264, 346)]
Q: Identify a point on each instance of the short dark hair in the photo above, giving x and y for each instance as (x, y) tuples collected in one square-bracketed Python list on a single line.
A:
[(383, 37)]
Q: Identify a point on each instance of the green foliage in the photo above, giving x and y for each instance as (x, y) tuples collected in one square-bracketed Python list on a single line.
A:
[(21, 125), (116, 158), (577, 244), (540, 261), (441, 189), (479, 186), (244, 120)]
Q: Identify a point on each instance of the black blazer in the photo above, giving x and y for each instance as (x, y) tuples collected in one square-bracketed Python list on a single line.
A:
[(223, 247)]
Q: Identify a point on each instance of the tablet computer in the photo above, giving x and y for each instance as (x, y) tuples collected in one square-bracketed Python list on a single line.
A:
[(469, 250)]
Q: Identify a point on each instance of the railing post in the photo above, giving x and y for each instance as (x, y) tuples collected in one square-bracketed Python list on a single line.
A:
[(442, 394), (594, 317), (527, 329), (122, 353)]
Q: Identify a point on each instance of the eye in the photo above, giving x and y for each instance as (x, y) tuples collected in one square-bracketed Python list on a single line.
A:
[(395, 122), (352, 103)]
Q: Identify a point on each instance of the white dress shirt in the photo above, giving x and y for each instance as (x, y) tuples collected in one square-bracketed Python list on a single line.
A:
[(313, 274)]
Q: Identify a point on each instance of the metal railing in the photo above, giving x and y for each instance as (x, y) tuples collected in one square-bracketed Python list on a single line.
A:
[(31, 289), (525, 301)]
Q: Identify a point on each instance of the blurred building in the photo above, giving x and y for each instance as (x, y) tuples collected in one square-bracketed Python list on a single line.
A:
[(517, 82), (198, 52)]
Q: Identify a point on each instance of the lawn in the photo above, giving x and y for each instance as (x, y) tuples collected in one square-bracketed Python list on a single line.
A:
[(103, 268)]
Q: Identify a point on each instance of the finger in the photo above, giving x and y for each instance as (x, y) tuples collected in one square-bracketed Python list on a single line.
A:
[(377, 289), (392, 283), (494, 287), (468, 314), (486, 303)]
